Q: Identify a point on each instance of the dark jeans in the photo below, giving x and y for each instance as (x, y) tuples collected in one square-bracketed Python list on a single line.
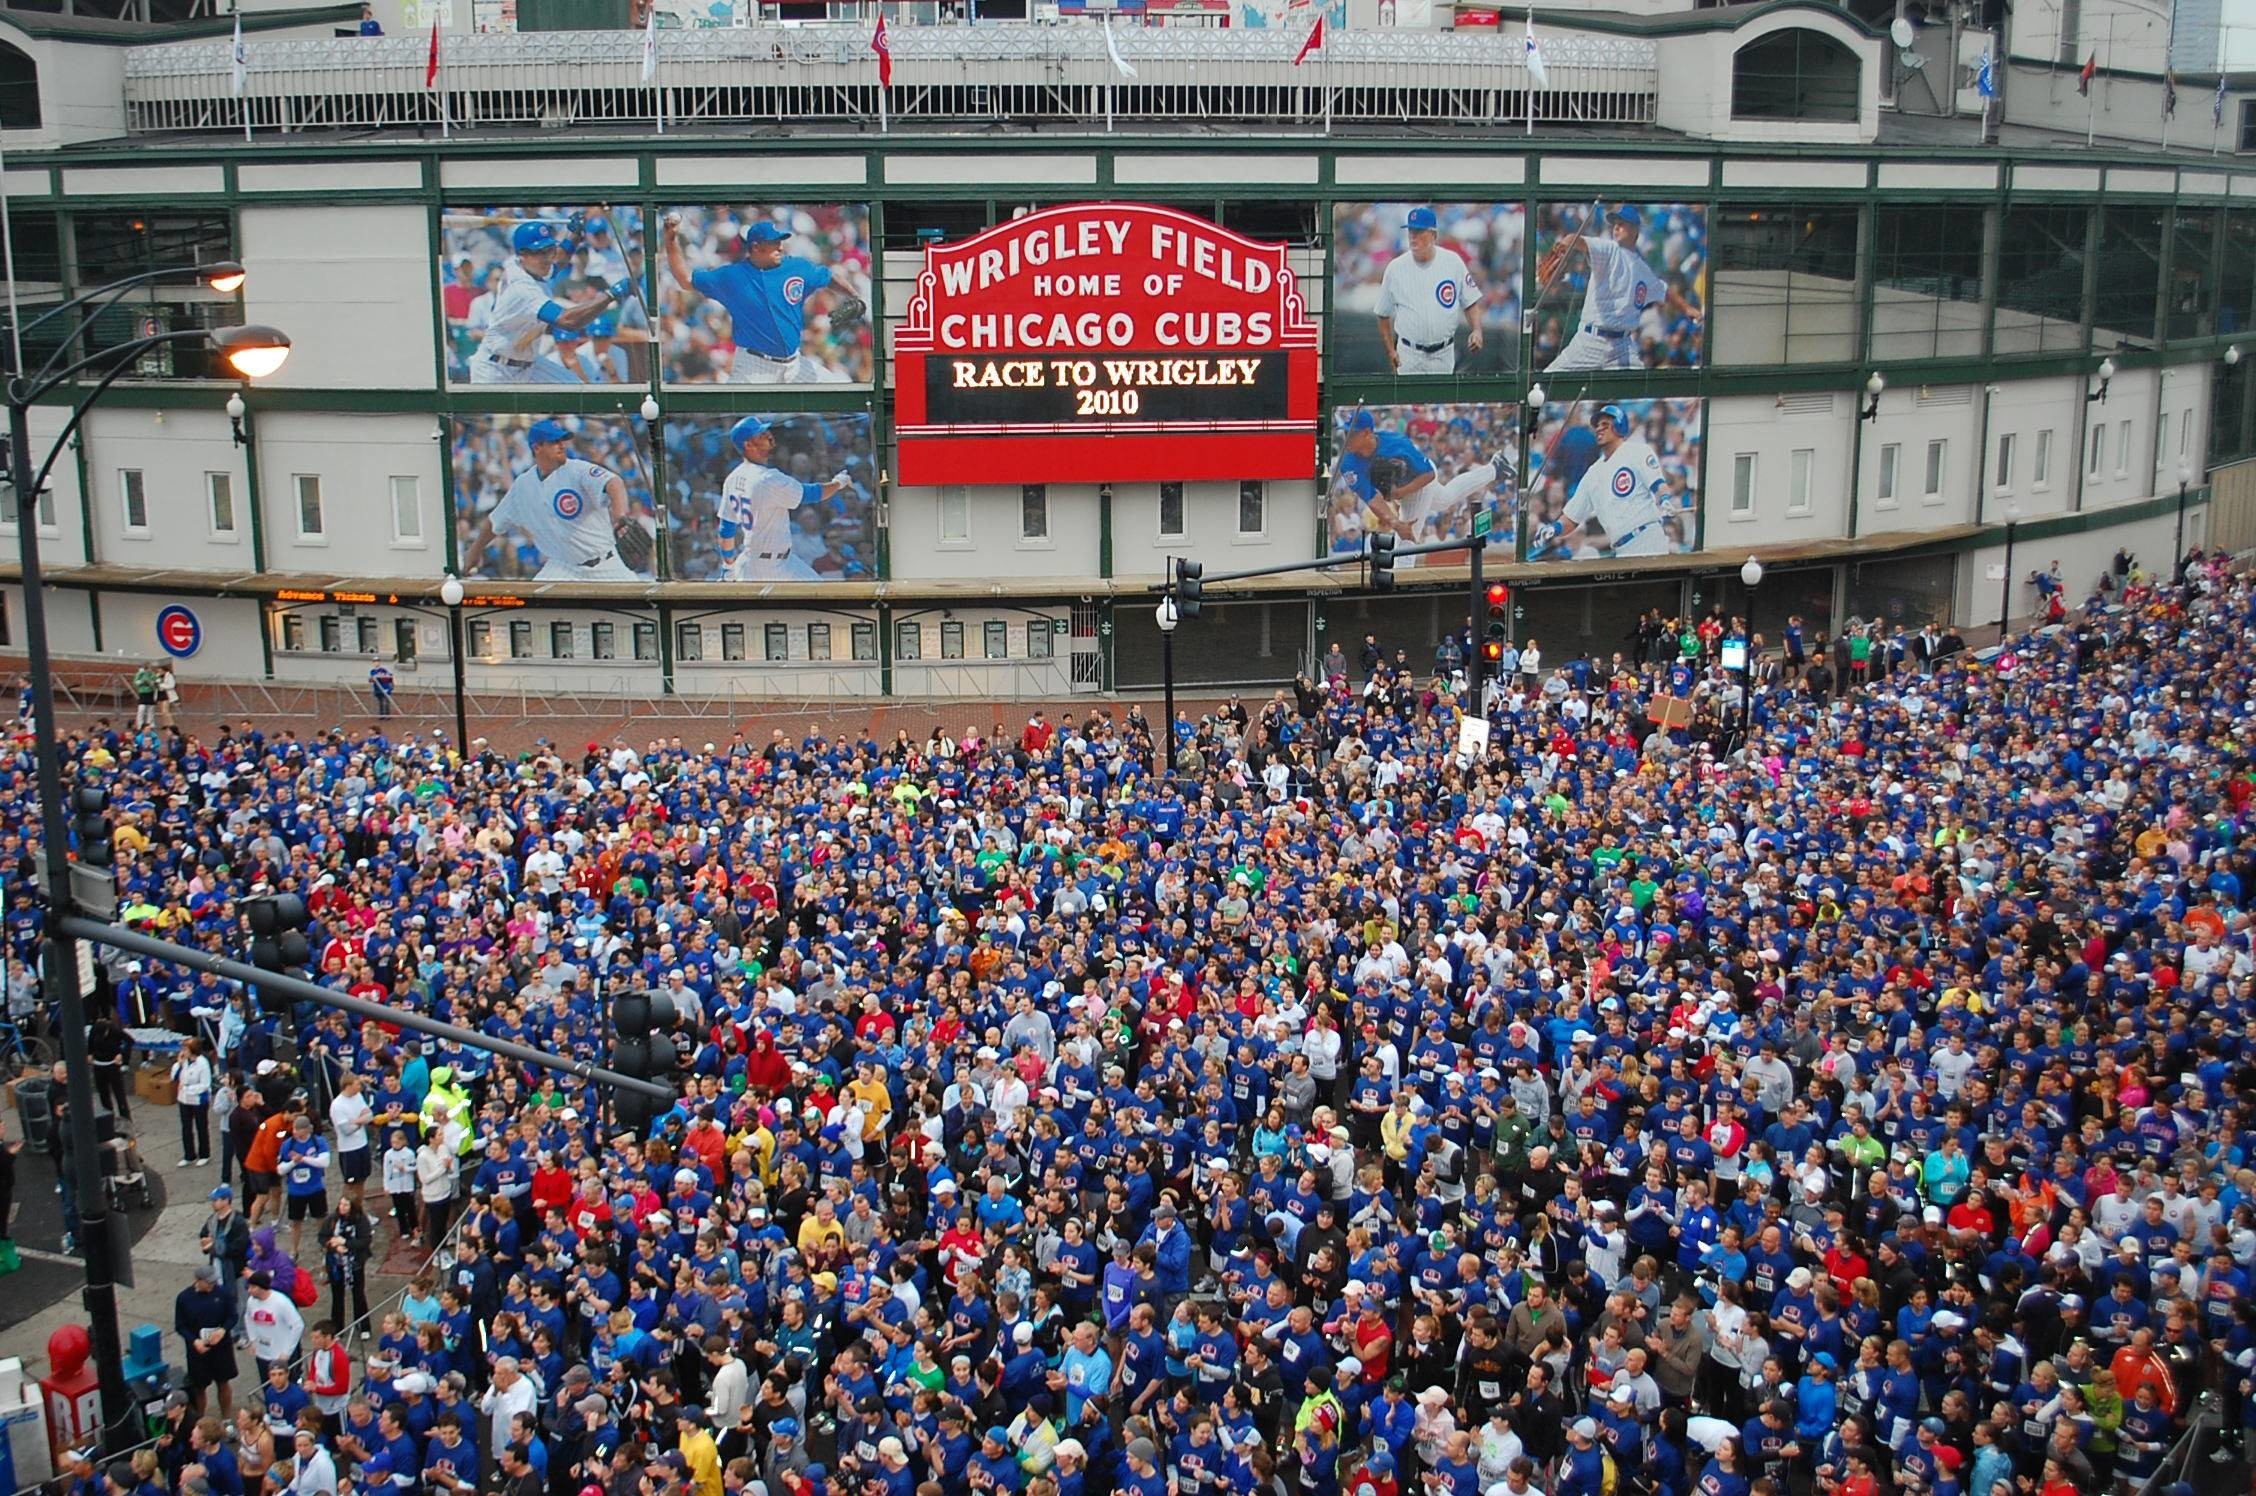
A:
[(195, 1130), (114, 1090)]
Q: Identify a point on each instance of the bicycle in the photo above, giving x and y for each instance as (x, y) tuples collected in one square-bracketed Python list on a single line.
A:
[(20, 1051)]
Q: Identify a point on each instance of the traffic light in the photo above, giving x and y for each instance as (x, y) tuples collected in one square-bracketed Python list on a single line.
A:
[(1382, 561), (277, 923), (1497, 626), (90, 825), (1189, 589), (1492, 651), (641, 1047)]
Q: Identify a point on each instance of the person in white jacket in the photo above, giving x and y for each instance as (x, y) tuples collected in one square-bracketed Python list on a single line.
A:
[(272, 1324), (192, 1080)]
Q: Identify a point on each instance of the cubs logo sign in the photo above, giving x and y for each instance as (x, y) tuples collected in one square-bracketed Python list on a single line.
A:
[(179, 632), (1106, 341), (1643, 294), (1446, 293), (1625, 482), (795, 289), (569, 504)]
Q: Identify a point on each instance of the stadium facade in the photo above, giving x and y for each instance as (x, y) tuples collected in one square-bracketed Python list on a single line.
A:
[(1710, 227)]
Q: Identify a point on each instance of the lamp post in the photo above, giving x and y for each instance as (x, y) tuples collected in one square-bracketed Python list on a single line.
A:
[(1167, 617), (2177, 549), (253, 353), (2005, 592), (450, 593), (1750, 576)]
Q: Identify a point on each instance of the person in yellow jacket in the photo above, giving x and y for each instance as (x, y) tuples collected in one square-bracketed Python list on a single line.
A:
[(447, 1099), (697, 1447), (867, 1089)]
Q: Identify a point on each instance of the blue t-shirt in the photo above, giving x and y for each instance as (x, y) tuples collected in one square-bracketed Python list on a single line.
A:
[(767, 308)]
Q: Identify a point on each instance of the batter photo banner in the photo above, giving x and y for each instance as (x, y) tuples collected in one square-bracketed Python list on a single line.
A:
[(1614, 478), (1425, 473), (553, 499), (1619, 285), (766, 293), (549, 295), (763, 497), (1426, 288)]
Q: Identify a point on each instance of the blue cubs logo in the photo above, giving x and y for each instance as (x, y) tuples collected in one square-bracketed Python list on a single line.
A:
[(1446, 293), (569, 503), (795, 289), (1642, 295), (1625, 482)]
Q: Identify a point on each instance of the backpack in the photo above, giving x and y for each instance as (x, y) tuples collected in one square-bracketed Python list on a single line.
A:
[(304, 1292)]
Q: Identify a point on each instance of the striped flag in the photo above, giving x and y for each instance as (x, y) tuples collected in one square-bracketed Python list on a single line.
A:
[(240, 68), (2089, 71)]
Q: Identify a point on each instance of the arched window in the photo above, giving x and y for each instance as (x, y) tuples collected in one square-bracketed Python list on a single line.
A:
[(1796, 74), (19, 89)]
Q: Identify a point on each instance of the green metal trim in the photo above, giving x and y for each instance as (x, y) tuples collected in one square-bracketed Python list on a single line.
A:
[(1108, 671), (447, 516), (266, 640), (885, 649), (1104, 531), (665, 648), (1856, 466), (93, 609)]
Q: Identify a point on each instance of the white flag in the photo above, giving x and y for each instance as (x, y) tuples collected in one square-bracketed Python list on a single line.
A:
[(241, 71), (1112, 50), (650, 44), (1535, 67)]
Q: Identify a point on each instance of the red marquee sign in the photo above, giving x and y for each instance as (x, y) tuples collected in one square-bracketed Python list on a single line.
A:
[(1105, 342)]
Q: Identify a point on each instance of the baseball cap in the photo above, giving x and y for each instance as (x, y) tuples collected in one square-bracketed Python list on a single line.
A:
[(785, 1428), (546, 431), (1423, 218), (1362, 420), (1584, 1428), (1627, 213), (221, 1192), (765, 233), (533, 238), (745, 429), (1614, 413)]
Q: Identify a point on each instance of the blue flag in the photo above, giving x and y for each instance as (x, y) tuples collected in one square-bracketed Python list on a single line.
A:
[(2217, 108), (1986, 79)]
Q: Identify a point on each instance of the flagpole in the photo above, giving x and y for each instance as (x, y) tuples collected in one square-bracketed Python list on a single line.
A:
[(1324, 79), (446, 116)]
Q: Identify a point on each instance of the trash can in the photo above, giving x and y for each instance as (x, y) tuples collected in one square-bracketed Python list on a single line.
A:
[(35, 1109)]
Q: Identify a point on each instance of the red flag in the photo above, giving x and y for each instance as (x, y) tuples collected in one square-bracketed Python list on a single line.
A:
[(1315, 40), (2091, 70), (431, 63), (884, 51)]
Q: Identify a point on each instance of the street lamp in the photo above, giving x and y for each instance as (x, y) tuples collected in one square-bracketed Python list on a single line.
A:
[(2005, 594), (2177, 550), (1750, 576), (2106, 377), (252, 352), (1167, 617), (1873, 389), (450, 593)]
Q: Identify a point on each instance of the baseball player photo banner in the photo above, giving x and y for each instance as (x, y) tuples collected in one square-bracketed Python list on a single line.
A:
[(553, 499), (1425, 473), (544, 295), (1426, 288), (771, 498), (1619, 286), (766, 293), (1610, 479)]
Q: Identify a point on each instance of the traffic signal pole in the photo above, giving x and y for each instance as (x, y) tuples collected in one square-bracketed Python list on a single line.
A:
[(298, 989)]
